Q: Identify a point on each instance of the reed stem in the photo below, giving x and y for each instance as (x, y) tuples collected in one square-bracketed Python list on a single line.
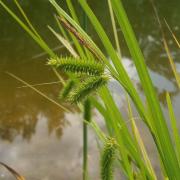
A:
[(85, 129)]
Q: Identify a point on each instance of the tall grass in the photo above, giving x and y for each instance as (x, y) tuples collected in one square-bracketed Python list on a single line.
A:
[(120, 143)]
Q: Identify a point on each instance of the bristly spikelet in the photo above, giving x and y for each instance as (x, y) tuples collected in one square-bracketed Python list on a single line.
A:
[(87, 87), (66, 89), (78, 66), (107, 159), (87, 110)]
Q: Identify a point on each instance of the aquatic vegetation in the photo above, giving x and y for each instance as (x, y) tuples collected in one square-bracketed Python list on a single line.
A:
[(86, 65)]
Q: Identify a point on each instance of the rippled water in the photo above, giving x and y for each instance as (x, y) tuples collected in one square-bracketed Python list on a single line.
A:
[(37, 138)]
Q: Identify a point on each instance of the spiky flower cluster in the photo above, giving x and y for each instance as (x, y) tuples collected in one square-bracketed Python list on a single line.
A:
[(93, 77), (87, 87), (107, 159), (78, 66)]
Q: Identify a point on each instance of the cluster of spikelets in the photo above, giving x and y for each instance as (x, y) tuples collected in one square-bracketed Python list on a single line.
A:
[(108, 158), (90, 77), (78, 66)]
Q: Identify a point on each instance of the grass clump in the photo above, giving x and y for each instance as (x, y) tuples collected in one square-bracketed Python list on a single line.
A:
[(89, 76)]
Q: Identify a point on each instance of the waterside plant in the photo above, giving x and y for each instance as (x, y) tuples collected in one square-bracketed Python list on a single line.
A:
[(88, 70)]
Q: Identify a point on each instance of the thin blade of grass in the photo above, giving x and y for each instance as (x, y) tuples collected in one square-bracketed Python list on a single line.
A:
[(13, 172), (35, 36), (162, 134), (41, 84), (28, 30), (97, 130), (171, 61), (139, 141), (173, 35), (27, 19), (64, 42), (72, 10), (101, 109), (62, 30), (75, 17), (175, 130), (114, 27), (173, 66), (39, 92)]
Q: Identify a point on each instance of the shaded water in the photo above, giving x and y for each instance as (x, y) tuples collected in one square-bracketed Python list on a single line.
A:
[(37, 137)]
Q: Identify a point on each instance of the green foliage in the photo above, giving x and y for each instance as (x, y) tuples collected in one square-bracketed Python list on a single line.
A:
[(160, 130), (94, 78), (70, 64), (107, 159), (87, 87)]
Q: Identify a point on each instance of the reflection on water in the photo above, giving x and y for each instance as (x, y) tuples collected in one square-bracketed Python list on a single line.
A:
[(35, 136), (46, 157), (20, 107)]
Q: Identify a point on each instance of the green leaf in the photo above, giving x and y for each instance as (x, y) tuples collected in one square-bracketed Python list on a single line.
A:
[(162, 134), (174, 126)]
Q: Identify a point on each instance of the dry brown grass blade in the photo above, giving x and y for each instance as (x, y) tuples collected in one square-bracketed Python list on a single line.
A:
[(39, 92), (13, 172), (79, 37)]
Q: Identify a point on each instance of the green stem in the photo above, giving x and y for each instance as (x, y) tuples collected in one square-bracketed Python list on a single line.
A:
[(85, 129), (85, 151)]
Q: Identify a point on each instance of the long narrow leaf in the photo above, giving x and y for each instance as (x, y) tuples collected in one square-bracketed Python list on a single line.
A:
[(176, 135), (65, 43), (114, 27), (171, 61), (139, 141), (168, 155)]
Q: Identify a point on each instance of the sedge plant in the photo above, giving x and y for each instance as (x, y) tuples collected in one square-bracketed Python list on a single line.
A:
[(89, 70)]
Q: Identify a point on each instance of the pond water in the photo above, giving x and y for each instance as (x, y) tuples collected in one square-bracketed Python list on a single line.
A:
[(39, 139)]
